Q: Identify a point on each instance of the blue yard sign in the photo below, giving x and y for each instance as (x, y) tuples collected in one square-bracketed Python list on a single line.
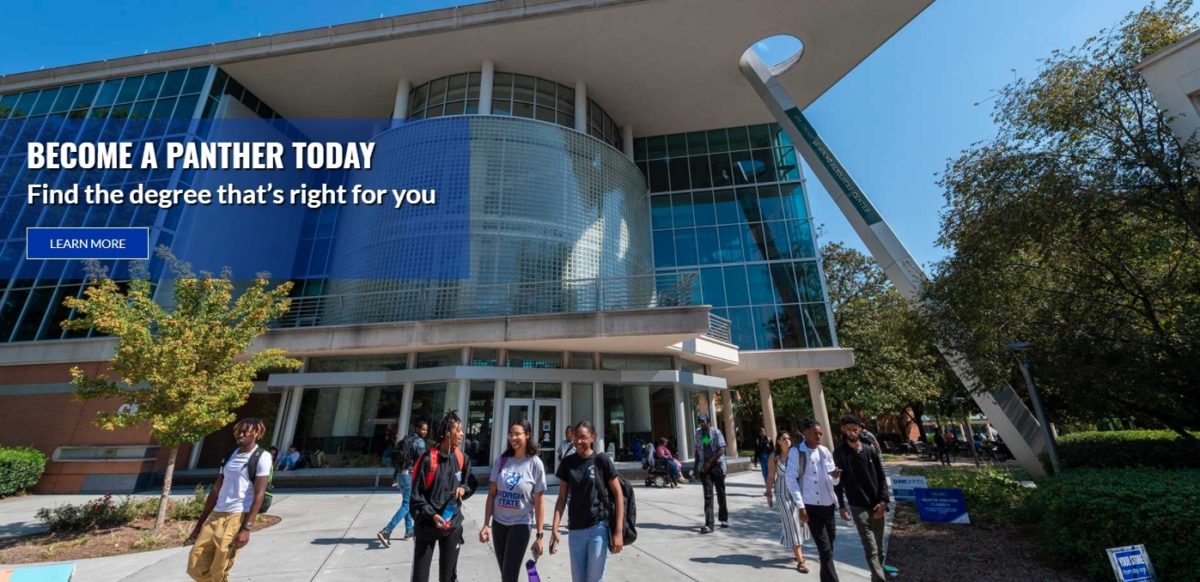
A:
[(1131, 563), (52, 573), (942, 506), (905, 488)]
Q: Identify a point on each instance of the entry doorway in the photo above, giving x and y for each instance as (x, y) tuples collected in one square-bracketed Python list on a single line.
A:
[(544, 416)]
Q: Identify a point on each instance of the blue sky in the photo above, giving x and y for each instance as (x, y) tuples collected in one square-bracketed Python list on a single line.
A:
[(893, 121)]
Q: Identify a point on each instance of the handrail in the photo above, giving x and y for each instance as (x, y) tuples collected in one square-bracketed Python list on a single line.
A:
[(463, 300)]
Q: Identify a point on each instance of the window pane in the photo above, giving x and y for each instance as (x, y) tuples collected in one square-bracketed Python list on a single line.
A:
[(708, 246), (704, 208), (736, 290), (685, 247), (664, 248)]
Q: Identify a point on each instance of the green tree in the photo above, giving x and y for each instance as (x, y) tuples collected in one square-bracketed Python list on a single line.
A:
[(1076, 228), (184, 370), (894, 362)]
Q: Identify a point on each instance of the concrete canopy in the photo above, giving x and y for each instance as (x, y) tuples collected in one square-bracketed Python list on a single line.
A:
[(663, 66)]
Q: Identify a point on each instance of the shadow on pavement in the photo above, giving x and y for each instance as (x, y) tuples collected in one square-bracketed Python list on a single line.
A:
[(749, 560)]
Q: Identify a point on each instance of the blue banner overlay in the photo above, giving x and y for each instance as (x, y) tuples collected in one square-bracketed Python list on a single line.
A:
[(299, 199), (88, 243), (942, 506)]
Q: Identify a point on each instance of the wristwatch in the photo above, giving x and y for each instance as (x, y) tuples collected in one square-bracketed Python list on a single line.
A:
[(539, 535), (246, 526)]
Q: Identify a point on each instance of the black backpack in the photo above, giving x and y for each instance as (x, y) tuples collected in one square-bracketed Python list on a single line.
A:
[(402, 454), (251, 466), (610, 506)]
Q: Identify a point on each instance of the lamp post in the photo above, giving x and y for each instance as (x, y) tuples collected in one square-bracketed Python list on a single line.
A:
[(1018, 350), (970, 432)]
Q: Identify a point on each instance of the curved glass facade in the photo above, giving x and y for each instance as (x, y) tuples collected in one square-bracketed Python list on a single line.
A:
[(546, 204), (513, 95)]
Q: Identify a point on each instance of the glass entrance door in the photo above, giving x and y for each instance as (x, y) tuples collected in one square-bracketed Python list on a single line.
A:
[(543, 415)]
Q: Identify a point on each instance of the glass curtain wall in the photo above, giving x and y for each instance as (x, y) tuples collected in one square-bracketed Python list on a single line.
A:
[(730, 203), (348, 426)]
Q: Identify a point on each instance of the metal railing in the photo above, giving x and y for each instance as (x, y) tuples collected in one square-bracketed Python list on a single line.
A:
[(718, 328), (466, 300)]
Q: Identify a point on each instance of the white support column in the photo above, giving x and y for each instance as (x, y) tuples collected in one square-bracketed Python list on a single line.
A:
[(464, 386), (486, 81), (681, 436), (280, 418), (194, 458), (768, 407), (564, 409), (293, 415), (598, 414), (499, 431), (727, 418), (817, 393), (400, 107), (581, 107), (406, 398), (627, 140)]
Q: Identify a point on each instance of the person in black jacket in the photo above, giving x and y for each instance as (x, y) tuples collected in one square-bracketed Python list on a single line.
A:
[(865, 486), (442, 479)]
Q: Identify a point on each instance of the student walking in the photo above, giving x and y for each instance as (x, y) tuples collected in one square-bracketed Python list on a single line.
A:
[(514, 501), (442, 480), (710, 466), (404, 456), (794, 532), (567, 446), (233, 504), (763, 448), (582, 476), (865, 485), (811, 478)]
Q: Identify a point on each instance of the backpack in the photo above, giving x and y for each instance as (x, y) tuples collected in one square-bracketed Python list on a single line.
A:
[(402, 454), (629, 529), (251, 466), (433, 465)]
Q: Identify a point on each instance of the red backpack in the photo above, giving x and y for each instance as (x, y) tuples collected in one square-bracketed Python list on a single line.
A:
[(433, 465)]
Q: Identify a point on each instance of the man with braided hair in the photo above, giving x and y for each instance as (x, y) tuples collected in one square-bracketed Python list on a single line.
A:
[(233, 504)]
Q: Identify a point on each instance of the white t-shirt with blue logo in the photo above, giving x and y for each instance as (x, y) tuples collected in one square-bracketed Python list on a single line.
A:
[(516, 484)]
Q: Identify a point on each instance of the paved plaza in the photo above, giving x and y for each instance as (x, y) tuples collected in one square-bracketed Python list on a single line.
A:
[(330, 535)]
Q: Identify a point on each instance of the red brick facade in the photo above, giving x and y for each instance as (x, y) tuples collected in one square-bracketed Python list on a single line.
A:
[(51, 420)]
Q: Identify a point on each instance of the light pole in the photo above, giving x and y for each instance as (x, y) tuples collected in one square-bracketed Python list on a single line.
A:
[(970, 432), (1019, 349)]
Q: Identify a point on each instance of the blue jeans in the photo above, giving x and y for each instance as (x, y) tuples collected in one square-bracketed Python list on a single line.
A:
[(404, 479), (589, 552), (763, 459)]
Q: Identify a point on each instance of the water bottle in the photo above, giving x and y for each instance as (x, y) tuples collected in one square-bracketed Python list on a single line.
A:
[(448, 512)]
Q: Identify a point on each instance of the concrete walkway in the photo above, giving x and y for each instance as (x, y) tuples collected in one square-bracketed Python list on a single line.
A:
[(330, 535)]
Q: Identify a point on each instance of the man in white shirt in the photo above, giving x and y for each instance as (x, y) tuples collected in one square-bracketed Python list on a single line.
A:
[(236, 499), (811, 477)]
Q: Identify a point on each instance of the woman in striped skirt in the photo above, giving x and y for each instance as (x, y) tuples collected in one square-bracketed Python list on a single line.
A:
[(794, 532)]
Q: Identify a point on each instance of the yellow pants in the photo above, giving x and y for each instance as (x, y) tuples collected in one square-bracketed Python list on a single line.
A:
[(213, 554)]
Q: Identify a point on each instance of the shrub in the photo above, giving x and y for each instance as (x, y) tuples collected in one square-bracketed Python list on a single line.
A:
[(190, 509), (20, 469), (1161, 449), (102, 513), (1085, 511), (992, 495)]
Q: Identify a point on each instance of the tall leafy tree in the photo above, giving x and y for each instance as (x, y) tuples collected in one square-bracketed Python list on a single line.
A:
[(894, 362), (184, 370), (1077, 228)]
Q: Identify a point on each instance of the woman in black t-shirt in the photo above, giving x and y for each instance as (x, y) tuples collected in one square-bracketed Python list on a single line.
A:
[(581, 475)]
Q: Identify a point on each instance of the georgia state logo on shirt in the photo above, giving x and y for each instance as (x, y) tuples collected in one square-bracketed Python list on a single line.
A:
[(511, 480)]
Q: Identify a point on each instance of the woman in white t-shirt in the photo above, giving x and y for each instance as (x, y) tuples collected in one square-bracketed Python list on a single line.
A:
[(514, 501)]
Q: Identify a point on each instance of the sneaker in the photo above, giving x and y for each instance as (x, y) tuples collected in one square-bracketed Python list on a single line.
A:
[(384, 537), (706, 530), (724, 524), (407, 536)]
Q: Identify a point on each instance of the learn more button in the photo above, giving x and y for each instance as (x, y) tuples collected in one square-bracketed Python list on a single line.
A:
[(48, 243)]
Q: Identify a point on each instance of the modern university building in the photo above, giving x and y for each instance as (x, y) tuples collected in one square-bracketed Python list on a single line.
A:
[(640, 236)]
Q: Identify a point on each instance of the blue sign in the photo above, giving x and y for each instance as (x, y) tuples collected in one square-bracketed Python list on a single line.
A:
[(87, 243), (1131, 563), (942, 506), (905, 488), (53, 573)]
